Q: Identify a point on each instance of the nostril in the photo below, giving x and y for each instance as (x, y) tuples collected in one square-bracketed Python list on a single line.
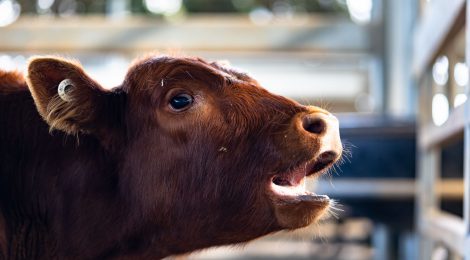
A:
[(314, 125)]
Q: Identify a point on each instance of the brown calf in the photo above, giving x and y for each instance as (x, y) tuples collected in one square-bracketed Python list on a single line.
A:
[(184, 155)]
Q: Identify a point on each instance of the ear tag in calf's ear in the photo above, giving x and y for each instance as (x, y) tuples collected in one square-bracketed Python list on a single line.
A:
[(64, 87)]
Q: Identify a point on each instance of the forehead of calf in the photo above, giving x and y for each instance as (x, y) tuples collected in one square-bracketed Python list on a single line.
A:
[(237, 96)]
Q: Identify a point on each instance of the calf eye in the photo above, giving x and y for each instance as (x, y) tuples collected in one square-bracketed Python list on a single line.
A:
[(180, 102)]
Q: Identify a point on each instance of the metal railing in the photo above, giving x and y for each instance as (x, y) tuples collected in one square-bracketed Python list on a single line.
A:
[(438, 26)]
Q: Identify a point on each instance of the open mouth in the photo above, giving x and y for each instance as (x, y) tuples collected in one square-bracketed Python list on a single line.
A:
[(291, 185)]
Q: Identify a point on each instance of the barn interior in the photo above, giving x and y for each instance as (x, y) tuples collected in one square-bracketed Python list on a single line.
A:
[(394, 72)]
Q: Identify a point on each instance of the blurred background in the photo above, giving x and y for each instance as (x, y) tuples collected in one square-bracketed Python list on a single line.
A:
[(394, 71)]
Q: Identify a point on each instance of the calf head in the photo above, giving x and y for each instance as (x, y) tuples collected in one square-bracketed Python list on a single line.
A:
[(207, 156)]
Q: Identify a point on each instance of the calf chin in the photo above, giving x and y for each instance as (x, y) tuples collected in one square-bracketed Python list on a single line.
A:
[(301, 211)]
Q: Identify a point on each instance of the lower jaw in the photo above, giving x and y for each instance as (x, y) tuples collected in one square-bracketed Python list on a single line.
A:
[(298, 210), (300, 214)]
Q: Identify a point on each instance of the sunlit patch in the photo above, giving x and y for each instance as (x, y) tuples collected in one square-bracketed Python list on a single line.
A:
[(44, 5), (9, 62), (440, 70), (461, 74), (261, 16), (9, 12), (166, 7), (459, 99), (440, 109), (360, 10)]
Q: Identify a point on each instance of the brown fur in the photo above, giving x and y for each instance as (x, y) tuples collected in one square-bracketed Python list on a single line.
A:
[(117, 174), (11, 81)]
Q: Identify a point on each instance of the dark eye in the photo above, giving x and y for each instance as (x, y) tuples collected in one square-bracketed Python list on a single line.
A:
[(181, 102)]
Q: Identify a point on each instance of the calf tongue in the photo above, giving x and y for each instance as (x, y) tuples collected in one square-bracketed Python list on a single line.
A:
[(290, 184), (297, 175), (292, 178)]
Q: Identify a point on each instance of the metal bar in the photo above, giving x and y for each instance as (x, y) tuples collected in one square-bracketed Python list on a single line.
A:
[(384, 188), (441, 19), (466, 200), (400, 16), (431, 135), (99, 33), (428, 198), (426, 175), (434, 176), (381, 242), (446, 228), (425, 244)]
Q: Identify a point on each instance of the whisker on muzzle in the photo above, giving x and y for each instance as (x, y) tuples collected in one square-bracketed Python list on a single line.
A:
[(334, 209)]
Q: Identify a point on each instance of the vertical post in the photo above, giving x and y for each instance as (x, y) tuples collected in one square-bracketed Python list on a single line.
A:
[(428, 172), (376, 61), (407, 246), (425, 245), (400, 18), (381, 242), (466, 199), (429, 197), (117, 8)]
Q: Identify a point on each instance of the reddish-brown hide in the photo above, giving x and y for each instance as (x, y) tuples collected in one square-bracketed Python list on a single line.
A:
[(125, 173)]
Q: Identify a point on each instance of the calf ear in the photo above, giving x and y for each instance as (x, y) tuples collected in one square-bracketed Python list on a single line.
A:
[(69, 100)]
